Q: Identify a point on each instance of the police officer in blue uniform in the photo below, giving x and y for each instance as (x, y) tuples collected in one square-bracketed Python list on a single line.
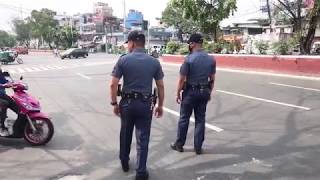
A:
[(135, 109), (197, 75)]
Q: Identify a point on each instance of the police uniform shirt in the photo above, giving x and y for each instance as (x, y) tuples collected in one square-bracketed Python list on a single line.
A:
[(138, 71), (197, 67)]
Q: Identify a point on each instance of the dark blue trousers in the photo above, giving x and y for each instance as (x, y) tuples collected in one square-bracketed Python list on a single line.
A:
[(135, 113), (193, 100)]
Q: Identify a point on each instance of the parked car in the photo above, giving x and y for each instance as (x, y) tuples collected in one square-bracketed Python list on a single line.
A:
[(21, 50), (74, 53)]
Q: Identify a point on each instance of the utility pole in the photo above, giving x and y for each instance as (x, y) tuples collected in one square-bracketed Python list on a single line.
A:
[(269, 15), (148, 37), (21, 15), (124, 20), (71, 26)]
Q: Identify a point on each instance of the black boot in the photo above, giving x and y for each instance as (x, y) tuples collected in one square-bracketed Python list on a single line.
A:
[(125, 166), (142, 176), (199, 151), (176, 147)]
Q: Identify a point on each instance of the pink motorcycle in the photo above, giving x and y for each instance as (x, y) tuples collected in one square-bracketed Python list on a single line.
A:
[(32, 125)]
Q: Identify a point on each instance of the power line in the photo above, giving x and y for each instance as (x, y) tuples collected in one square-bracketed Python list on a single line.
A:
[(15, 8), (248, 13)]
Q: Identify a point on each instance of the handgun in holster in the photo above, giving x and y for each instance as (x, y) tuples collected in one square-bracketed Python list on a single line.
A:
[(184, 87), (119, 92), (211, 84), (154, 96)]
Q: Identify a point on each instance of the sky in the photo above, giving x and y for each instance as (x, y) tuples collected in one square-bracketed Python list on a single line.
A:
[(10, 9)]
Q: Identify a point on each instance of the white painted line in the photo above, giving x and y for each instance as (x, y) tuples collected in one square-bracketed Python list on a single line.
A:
[(36, 69), (28, 69), (12, 71), (20, 70), (43, 68), (58, 67), (209, 126), (264, 100), (83, 76), (51, 67), (292, 86), (256, 73), (269, 74)]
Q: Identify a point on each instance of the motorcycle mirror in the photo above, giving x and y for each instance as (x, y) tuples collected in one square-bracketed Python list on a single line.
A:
[(21, 78)]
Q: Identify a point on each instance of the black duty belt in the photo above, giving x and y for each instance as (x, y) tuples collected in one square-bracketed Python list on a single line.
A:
[(135, 95), (198, 86)]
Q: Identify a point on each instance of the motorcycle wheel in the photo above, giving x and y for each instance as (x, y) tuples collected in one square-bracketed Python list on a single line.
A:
[(19, 60), (43, 134)]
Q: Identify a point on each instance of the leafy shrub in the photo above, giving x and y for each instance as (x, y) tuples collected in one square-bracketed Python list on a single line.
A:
[(172, 47), (184, 49), (208, 47), (281, 48), (213, 47), (228, 47), (262, 47)]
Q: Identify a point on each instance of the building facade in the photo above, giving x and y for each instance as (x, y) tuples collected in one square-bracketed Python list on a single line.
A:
[(134, 20)]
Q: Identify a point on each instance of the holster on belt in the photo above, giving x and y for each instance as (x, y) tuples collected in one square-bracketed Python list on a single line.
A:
[(155, 96), (119, 92), (211, 84)]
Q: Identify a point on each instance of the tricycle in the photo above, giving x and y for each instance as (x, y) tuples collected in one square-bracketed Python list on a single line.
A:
[(7, 57)]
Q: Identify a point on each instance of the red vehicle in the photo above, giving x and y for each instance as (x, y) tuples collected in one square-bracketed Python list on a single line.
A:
[(21, 50)]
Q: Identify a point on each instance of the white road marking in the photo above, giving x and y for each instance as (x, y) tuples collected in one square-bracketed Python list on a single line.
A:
[(51, 67), (209, 126), (12, 71), (36, 69), (83, 76), (58, 67), (270, 74), (20, 70), (264, 100), (292, 86), (256, 73), (43, 68), (28, 69)]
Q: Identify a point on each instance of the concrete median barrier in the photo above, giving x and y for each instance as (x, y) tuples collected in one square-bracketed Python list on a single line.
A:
[(297, 65)]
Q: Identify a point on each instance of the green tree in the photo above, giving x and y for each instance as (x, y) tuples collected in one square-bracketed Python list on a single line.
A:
[(23, 31), (207, 13), (174, 16), (65, 37), (289, 11), (7, 40), (307, 38), (304, 26), (43, 25)]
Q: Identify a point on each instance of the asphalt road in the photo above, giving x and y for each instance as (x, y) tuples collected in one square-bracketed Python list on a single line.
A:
[(259, 127)]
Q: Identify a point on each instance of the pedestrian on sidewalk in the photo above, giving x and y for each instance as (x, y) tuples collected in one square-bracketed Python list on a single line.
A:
[(197, 76)]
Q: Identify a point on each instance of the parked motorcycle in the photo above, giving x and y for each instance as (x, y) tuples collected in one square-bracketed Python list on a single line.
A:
[(32, 124)]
